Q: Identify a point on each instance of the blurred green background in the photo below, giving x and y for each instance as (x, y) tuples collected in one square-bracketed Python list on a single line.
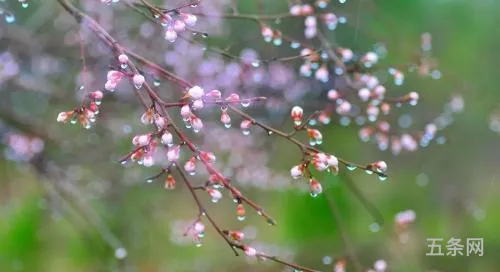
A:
[(74, 216)]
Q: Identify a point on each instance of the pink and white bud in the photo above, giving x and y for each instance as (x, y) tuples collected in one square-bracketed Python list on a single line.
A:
[(225, 119), (322, 74), (159, 121), (179, 26), (333, 94), (185, 112), (344, 107), (305, 69), (310, 32), (370, 58), (110, 85), (167, 138), (380, 166), (380, 265), (198, 104), (148, 161), (198, 227), (319, 165), (364, 94), (196, 92), (189, 19), (207, 156), (295, 10), (306, 9), (147, 117), (123, 59), (138, 80), (346, 54), (63, 117), (310, 22), (97, 95), (197, 124), (173, 153), (170, 35), (297, 114), (379, 91), (413, 98), (214, 94), (235, 98), (141, 140), (315, 187), (114, 75), (297, 171), (245, 126), (249, 251), (315, 137), (237, 235), (267, 33), (190, 166), (216, 195)]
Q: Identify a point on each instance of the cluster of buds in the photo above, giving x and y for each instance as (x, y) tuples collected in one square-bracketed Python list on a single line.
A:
[(86, 115), (151, 117), (143, 154), (176, 24), (197, 232), (322, 162), (271, 35)]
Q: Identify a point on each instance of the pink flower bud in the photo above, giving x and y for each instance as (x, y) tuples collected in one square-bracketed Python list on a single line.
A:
[(364, 94), (295, 10), (344, 108), (237, 235), (97, 95), (267, 33), (207, 156), (167, 138), (63, 117), (196, 92), (297, 114), (114, 75), (346, 54), (198, 104), (122, 58), (138, 80), (198, 227), (159, 121), (315, 187), (216, 195), (225, 119), (185, 112), (380, 166), (141, 140), (148, 161), (197, 124), (249, 251), (333, 95), (310, 21), (189, 19), (322, 74), (173, 153), (110, 85), (306, 9), (214, 94), (190, 166), (297, 171), (233, 98), (413, 98), (179, 26), (170, 35)]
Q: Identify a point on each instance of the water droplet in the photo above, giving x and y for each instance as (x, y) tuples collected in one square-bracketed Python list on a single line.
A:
[(25, 4), (245, 103), (259, 212), (350, 167), (9, 17), (382, 177), (156, 82), (269, 133), (215, 199), (313, 194), (294, 45), (227, 125), (375, 227), (149, 181), (256, 63), (124, 66), (368, 171), (120, 253), (241, 218), (245, 132)]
